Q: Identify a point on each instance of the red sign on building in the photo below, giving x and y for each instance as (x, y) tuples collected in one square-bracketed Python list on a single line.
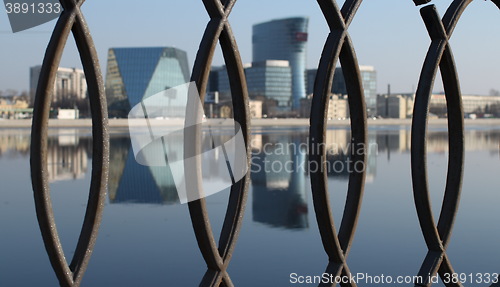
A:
[(301, 36)]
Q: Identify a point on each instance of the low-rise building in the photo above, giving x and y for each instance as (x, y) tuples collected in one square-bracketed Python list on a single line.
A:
[(398, 106), (476, 105), (338, 107), (70, 85), (14, 109), (255, 109)]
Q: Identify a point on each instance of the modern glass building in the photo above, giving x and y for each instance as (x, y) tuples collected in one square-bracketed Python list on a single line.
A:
[(368, 78), (134, 74), (271, 80), (284, 39), (219, 81), (310, 78)]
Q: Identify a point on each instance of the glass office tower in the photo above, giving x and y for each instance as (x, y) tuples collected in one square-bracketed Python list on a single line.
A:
[(134, 74), (272, 80), (368, 78), (284, 39)]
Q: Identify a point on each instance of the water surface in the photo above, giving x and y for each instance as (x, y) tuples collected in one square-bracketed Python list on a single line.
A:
[(146, 237)]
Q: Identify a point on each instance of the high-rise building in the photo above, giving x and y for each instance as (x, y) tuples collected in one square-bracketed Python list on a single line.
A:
[(284, 39), (368, 78), (219, 82), (268, 82), (310, 78), (70, 84), (134, 74), (271, 80), (213, 80)]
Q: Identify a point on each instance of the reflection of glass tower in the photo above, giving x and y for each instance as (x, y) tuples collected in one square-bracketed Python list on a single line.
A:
[(279, 196), (130, 182), (284, 39), (137, 73)]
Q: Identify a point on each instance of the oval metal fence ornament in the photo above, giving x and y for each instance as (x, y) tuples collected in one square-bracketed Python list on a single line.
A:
[(338, 46), (71, 19), (217, 257), (439, 56)]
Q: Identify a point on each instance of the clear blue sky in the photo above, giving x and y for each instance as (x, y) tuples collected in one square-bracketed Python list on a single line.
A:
[(388, 34)]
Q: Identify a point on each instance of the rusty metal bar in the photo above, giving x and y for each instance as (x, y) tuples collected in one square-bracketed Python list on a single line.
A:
[(338, 46), (438, 56), (218, 257), (71, 19)]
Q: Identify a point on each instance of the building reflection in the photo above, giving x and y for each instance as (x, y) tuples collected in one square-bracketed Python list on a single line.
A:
[(68, 152), (280, 173), (12, 144), (278, 181), (339, 150), (68, 156), (130, 182), (437, 141)]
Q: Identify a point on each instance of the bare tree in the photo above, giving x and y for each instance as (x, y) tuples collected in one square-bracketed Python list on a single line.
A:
[(10, 93), (23, 96)]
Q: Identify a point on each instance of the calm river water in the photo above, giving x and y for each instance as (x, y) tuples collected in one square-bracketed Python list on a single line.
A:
[(146, 237)]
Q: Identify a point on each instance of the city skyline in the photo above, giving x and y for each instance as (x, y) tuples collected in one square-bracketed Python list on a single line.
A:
[(398, 58), (133, 74)]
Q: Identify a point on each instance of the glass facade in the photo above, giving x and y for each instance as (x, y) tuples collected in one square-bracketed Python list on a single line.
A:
[(223, 84), (284, 39), (368, 78), (134, 74), (272, 80), (310, 78)]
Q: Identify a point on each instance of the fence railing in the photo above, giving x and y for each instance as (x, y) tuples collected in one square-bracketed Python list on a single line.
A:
[(338, 46)]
